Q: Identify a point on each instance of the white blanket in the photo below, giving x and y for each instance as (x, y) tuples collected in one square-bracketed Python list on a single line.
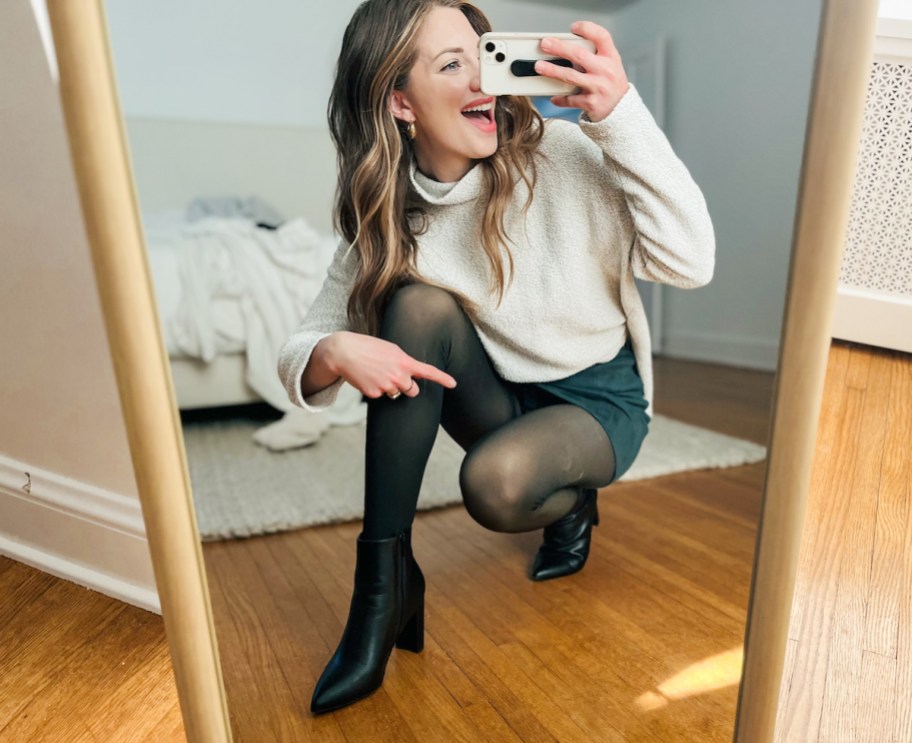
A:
[(243, 288)]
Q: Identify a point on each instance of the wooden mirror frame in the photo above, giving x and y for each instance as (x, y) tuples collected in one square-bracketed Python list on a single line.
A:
[(103, 172)]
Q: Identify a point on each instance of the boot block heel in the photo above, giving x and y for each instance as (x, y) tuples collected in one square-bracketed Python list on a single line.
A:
[(412, 636)]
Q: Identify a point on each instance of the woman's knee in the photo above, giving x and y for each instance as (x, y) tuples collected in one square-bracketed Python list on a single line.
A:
[(492, 490), (417, 308)]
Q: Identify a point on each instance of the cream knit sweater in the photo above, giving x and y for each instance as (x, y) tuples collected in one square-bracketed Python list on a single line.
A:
[(612, 203)]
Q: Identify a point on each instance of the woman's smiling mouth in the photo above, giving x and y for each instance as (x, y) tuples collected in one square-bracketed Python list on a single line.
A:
[(480, 114)]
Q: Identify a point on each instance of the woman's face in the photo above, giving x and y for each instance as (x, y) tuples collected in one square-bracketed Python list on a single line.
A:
[(442, 88)]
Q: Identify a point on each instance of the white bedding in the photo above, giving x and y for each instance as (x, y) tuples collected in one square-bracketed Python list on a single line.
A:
[(226, 286)]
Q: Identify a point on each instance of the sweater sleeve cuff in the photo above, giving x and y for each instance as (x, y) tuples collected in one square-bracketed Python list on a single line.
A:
[(628, 113), (292, 361)]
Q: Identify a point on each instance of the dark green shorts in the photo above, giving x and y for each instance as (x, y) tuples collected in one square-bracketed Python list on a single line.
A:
[(611, 391)]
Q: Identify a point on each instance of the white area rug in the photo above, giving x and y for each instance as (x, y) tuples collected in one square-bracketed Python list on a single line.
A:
[(241, 489)]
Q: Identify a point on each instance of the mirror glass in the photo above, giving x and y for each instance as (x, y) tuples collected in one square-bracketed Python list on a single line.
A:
[(225, 111)]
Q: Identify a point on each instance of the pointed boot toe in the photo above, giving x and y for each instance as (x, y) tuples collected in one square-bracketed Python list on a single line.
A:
[(343, 683), (565, 548), (549, 565)]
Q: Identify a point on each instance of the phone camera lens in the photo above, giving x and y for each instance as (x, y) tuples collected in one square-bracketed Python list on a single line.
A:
[(489, 47), (500, 56)]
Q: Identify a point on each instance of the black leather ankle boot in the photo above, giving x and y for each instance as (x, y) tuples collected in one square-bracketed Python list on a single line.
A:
[(566, 545), (387, 608)]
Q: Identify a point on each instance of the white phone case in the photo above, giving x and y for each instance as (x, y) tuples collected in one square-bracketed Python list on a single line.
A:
[(506, 61)]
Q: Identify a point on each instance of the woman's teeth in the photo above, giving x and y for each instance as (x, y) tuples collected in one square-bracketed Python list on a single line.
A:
[(482, 112), (481, 116)]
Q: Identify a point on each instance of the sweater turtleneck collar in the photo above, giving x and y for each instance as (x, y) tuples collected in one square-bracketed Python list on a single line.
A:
[(467, 188)]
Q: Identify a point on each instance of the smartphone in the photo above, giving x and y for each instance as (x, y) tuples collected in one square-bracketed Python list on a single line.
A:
[(507, 63)]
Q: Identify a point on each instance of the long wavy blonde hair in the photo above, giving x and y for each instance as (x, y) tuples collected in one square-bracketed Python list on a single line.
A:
[(376, 209)]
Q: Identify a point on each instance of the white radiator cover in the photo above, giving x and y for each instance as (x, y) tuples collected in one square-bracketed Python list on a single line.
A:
[(874, 297)]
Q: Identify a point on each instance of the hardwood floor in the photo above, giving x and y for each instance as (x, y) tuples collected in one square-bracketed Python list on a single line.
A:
[(848, 674), (642, 645), (78, 666)]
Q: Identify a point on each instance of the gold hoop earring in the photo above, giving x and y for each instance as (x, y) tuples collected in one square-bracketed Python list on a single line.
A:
[(410, 130)]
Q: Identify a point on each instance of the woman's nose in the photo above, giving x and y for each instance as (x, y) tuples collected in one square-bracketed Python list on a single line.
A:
[(475, 81)]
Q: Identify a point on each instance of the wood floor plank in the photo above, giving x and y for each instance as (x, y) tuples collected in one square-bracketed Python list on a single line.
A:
[(690, 557), (721, 494), (331, 576), (844, 667), (831, 412), (884, 596), (749, 475), (817, 591), (6, 564), (717, 532), (169, 728), (25, 588), (859, 366), (838, 432), (424, 702), (490, 723), (875, 703), (903, 720), (785, 686)]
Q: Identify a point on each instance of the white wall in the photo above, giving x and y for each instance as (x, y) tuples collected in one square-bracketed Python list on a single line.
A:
[(227, 60), (76, 512), (901, 9), (738, 89)]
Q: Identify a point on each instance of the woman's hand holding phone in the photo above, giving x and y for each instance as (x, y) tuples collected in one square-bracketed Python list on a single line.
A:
[(600, 77)]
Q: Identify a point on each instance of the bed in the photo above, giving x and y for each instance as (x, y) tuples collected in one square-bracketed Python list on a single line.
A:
[(231, 284)]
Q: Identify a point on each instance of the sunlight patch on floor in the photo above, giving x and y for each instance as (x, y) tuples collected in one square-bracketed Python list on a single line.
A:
[(709, 674)]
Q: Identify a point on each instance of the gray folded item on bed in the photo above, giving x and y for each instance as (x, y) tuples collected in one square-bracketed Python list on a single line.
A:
[(249, 207)]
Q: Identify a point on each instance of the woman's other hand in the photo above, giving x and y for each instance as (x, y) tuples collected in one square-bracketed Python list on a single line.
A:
[(600, 77), (376, 367)]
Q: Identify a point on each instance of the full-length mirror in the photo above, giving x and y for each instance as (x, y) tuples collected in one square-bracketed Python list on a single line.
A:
[(588, 492), (226, 116)]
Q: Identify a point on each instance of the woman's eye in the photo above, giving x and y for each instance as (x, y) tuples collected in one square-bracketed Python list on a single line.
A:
[(452, 65)]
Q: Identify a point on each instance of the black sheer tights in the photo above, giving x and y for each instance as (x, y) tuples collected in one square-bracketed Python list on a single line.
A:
[(522, 471)]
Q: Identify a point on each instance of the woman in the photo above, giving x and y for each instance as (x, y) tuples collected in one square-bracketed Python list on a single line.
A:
[(485, 284)]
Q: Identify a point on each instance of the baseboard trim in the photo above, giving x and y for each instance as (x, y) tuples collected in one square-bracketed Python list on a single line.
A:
[(78, 532), (872, 318), (109, 585), (740, 351)]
